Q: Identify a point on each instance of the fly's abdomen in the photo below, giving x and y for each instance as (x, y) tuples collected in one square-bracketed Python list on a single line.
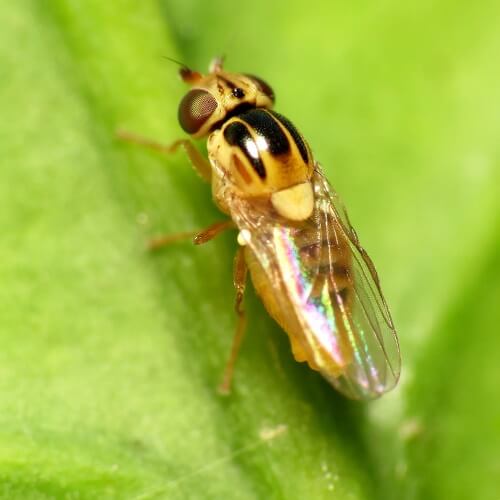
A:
[(326, 261), (315, 273)]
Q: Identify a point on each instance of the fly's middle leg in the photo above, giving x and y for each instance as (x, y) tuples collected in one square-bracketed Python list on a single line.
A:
[(198, 237)]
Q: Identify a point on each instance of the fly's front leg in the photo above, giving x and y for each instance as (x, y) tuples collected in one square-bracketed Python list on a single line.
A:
[(199, 162), (240, 272), (198, 237)]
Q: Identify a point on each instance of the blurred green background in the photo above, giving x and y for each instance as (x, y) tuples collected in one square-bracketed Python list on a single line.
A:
[(110, 357)]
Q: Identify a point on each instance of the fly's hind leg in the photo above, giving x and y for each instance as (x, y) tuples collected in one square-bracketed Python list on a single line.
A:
[(240, 272), (199, 162)]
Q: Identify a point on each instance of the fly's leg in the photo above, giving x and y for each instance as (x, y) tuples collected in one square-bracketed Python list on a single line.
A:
[(198, 237), (212, 231), (201, 165), (167, 239), (239, 278), (199, 162)]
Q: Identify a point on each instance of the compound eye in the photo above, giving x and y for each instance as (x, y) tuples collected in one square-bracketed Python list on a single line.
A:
[(263, 86), (196, 107)]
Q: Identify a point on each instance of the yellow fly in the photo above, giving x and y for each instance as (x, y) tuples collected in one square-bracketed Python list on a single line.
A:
[(295, 238)]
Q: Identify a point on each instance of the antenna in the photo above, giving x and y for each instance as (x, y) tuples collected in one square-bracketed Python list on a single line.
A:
[(171, 59)]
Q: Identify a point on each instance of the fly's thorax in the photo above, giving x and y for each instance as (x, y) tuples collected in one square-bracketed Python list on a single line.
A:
[(261, 154)]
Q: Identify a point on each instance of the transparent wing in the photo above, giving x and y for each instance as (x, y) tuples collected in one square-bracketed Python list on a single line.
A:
[(365, 316), (326, 284)]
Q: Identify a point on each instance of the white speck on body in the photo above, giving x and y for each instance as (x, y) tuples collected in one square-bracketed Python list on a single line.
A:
[(243, 237)]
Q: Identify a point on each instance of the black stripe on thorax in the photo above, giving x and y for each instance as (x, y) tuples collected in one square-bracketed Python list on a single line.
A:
[(265, 125), (238, 134), (294, 133)]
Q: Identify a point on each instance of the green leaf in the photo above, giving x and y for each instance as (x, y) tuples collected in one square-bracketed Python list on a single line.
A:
[(111, 356)]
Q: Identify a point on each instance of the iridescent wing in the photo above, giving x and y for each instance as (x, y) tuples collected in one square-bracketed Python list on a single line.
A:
[(325, 282)]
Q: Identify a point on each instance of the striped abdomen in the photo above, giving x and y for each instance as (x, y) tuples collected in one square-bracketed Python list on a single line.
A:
[(326, 257)]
